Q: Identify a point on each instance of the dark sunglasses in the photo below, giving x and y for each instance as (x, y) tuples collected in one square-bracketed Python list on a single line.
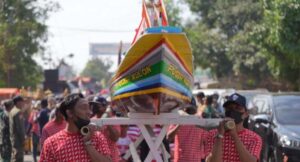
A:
[(234, 107)]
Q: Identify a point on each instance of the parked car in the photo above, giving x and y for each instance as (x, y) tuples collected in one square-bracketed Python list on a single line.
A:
[(249, 94), (276, 118)]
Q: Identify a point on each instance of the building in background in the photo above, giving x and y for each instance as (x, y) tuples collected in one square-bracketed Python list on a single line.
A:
[(65, 71), (111, 51), (98, 49)]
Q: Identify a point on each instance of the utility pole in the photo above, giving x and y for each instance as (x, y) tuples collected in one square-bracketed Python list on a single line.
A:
[(120, 53)]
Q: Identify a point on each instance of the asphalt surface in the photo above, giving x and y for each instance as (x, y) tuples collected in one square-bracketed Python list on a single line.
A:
[(28, 158)]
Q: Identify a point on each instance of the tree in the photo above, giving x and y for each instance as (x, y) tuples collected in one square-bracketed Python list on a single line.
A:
[(22, 33), (256, 41), (279, 37), (98, 69), (209, 49), (221, 38), (173, 12)]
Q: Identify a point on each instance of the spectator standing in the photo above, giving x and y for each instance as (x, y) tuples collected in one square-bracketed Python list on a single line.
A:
[(209, 111), (17, 130), (53, 126), (34, 129), (44, 114), (188, 140), (111, 133), (52, 106), (5, 143), (200, 100)]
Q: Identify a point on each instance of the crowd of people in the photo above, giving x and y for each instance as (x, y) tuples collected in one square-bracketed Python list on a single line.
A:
[(54, 126)]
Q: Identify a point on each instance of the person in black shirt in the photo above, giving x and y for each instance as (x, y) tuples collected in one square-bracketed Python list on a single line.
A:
[(5, 143)]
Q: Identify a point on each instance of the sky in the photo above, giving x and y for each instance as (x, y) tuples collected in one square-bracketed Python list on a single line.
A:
[(79, 23)]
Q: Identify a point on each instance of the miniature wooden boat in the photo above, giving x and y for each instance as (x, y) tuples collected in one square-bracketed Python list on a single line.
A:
[(156, 73)]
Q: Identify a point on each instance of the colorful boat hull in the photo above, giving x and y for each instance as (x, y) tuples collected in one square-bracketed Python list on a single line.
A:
[(155, 75)]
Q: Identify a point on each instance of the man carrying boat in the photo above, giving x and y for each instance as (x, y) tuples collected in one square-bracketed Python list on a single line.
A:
[(111, 133), (69, 144), (188, 139), (234, 145)]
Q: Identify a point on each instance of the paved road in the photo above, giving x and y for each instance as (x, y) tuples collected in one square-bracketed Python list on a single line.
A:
[(28, 158)]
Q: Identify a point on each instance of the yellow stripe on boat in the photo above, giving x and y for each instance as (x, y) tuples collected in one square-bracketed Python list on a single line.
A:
[(177, 42)]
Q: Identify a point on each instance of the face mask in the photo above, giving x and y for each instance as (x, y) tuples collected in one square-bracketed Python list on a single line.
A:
[(81, 122), (95, 109), (190, 111), (237, 116)]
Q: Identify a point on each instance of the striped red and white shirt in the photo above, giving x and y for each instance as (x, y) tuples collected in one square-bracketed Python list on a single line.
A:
[(133, 133), (52, 128), (251, 141), (123, 144)]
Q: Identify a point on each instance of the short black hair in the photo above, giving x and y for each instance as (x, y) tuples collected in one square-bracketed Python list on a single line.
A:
[(209, 100), (8, 104), (201, 94), (17, 99), (44, 103), (69, 103)]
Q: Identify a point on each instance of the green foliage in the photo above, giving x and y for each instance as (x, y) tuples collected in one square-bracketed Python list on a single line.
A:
[(209, 49), (97, 69), (22, 33), (173, 12), (221, 38), (256, 41), (230, 16), (279, 37)]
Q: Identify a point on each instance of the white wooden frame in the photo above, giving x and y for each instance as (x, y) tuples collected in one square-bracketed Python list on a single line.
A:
[(144, 122)]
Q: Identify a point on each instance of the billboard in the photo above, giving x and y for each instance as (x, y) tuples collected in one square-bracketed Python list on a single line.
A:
[(97, 49)]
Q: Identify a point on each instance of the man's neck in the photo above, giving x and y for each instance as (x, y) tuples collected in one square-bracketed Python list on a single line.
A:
[(57, 120), (71, 127), (99, 115), (239, 127)]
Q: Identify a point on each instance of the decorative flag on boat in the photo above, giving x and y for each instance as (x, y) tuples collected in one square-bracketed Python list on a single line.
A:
[(158, 17), (163, 13), (144, 24)]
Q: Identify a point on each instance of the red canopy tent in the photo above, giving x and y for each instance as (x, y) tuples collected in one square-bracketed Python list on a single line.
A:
[(6, 93)]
